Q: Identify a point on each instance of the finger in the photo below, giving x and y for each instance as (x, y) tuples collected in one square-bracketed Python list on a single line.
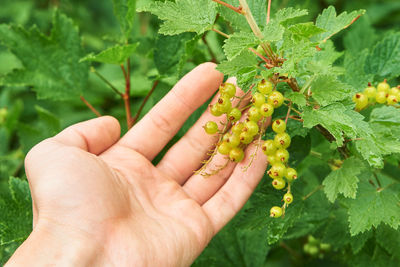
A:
[(94, 136), (193, 147), (164, 120), (232, 196)]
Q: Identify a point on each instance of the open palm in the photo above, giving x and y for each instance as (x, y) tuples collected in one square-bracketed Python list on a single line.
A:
[(91, 185)]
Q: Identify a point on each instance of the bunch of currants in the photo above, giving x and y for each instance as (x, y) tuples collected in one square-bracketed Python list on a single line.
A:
[(382, 94)]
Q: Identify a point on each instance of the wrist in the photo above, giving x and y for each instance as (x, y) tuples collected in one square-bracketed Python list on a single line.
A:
[(51, 244)]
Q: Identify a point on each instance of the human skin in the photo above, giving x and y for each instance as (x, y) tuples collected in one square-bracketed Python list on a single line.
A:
[(99, 201)]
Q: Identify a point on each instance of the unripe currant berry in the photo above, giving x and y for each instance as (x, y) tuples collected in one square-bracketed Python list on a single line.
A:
[(251, 127), (392, 100), (291, 174), (265, 87), (277, 170), (236, 154), (224, 104), (237, 128), (225, 138), (279, 126), (275, 99), (394, 91), (275, 212), (234, 114), (266, 110), (224, 148), (254, 114), (268, 147), (233, 140), (211, 127), (383, 87), (258, 99), (370, 92), (282, 155), (381, 97), (288, 198), (272, 160), (282, 140), (246, 138), (215, 111), (227, 89), (278, 184), (361, 101)]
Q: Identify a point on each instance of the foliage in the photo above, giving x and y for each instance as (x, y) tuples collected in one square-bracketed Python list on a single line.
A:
[(347, 194)]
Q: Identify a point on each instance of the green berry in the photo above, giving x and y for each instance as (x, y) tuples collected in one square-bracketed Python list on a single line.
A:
[(237, 128), (392, 100), (275, 212), (224, 104), (381, 97), (211, 127), (277, 170), (224, 148), (276, 99), (272, 159), (3, 115), (214, 110), (279, 126), (225, 138), (282, 140), (266, 110), (268, 147), (361, 101), (265, 87), (251, 127), (246, 138), (282, 155), (227, 89), (288, 198), (312, 240), (234, 114), (233, 140), (258, 99), (254, 114), (236, 154), (325, 246), (278, 184), (370, 92), (383, 87), (291, 174), (394, 91)]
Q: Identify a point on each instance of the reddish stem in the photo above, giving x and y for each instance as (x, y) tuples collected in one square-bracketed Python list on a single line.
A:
[(90, 106), (221, 33), (288, 112), (126, 95), (134, 120), (236, 9), (269, 11)]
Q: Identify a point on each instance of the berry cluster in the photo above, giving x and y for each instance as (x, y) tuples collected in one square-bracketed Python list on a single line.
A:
[(278, 157), (382, 94), (315, 248), (233, 141)]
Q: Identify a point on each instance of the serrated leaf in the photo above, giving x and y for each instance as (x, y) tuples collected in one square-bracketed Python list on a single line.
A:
[(389, 239), (333, 24), (125, 11), (373, 207), (273, 31), (237, 43), (305, 30), (337, 232), (51, 64), (15, 212), (327, 89), (354, 65), (344, 180), (285, 14), (360, 36), (297, 98), (357, 242), (384, 60), (183, 15), (117, 54)]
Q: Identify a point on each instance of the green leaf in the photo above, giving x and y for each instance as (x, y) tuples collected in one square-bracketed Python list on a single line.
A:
[(344, 180), (355, 74), (373, 207), (125, 11), (285, 14), (357, 242), (389, 239), (237, 43), (333, 24), (296, 97), (327, 89), (360, 36), (273, 31), (337, 232), (15, 212), (384, 60), (51, 64), (305, 30), (184, 15), (114, 55)]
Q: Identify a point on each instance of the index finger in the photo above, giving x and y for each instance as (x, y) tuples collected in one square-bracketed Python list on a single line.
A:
[(164, 120)]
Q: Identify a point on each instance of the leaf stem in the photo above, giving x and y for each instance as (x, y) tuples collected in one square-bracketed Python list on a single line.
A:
[(288, 112), (236, 9), (250, 19), (126, 95), (106, 81), (134, 120), (313, 191), (220, 33), (268, 11), (90, 106), (213, 57), (378, 181)]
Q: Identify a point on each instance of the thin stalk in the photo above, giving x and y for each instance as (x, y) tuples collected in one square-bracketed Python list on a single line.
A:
[(268, 11), (90, 106), (106, 81), (126, 95), (134, 120), (236, 9), (213, 57), (288, 112), (220, 33), (250, 19), (312, 192)]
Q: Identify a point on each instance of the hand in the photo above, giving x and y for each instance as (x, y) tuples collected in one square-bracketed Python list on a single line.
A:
[(98, 200)]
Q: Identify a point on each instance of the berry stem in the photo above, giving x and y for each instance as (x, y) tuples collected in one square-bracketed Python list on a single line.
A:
[(267, 61), (90, 106), (220, 33), (134, 120), (288, 111), (92, 69), (236, 9), (313, 191), (213, 57), (268, 11)]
